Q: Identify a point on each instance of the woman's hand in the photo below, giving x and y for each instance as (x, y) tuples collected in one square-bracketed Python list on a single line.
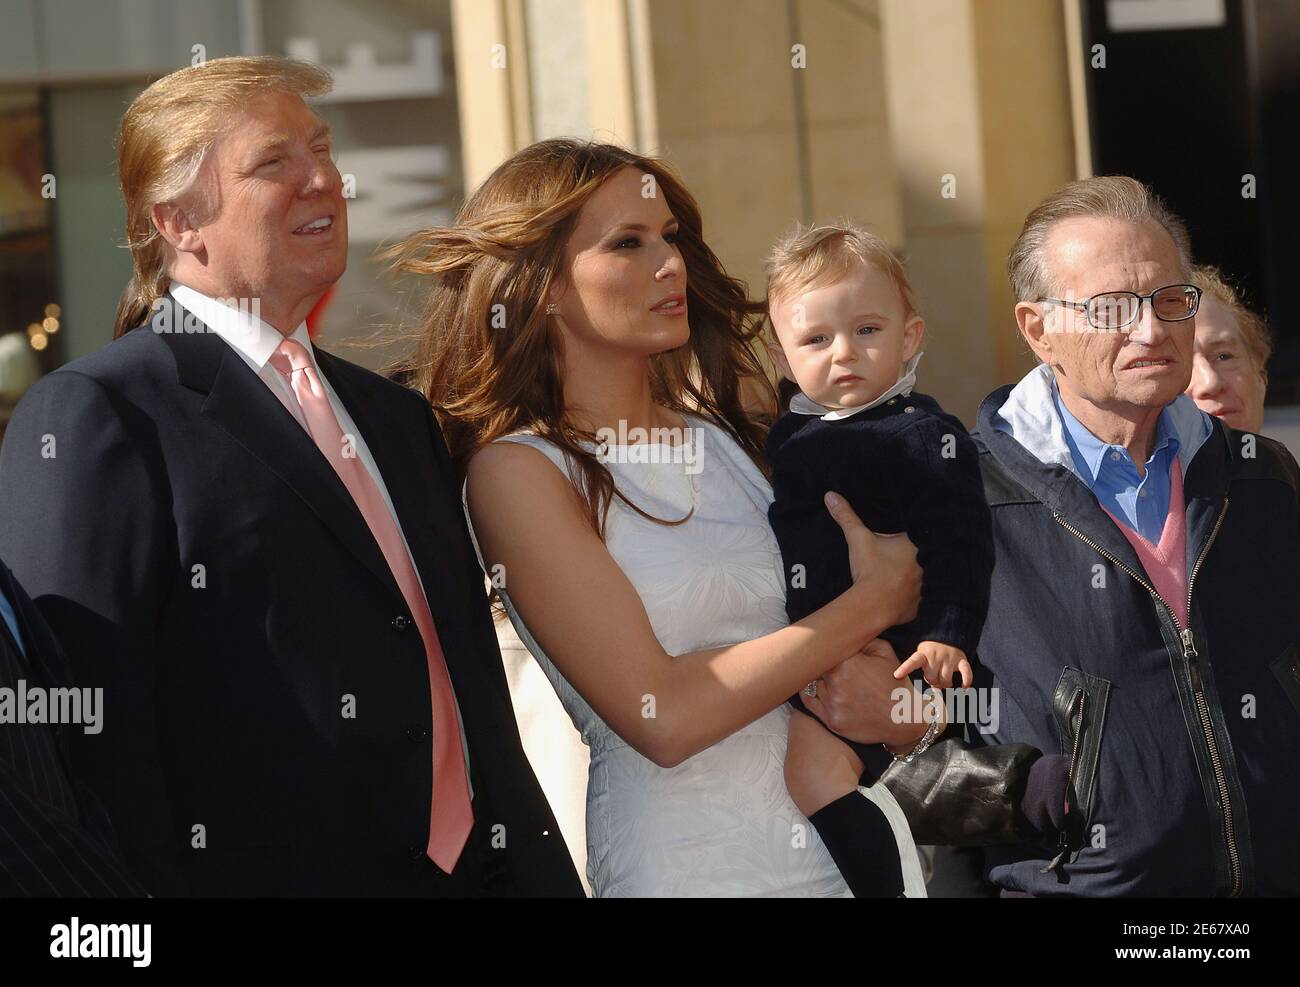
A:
[(860, 699), (884, 564)]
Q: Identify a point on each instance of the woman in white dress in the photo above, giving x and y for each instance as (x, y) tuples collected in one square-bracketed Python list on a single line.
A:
[(574, 303)]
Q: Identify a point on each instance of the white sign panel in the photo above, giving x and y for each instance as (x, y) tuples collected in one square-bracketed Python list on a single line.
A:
[(1164, 15)]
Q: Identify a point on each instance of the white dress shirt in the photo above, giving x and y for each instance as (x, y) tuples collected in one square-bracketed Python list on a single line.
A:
[(255, 341)]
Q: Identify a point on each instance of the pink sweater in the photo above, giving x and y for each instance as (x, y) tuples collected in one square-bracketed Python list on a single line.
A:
[(1166, 563)]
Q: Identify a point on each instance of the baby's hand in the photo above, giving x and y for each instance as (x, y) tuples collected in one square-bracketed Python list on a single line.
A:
[(939, 661)]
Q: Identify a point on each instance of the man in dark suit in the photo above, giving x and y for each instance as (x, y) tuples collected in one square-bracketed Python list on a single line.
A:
[(257, 549), (54, 838)]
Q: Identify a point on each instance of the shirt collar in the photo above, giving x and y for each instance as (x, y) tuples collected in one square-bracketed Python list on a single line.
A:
[(801, 404), (1029, 415), (1093, 451), (239, 327)]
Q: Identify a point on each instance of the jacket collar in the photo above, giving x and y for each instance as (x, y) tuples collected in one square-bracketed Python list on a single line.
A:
[(241, 328), (1030, 417), (239, 401), (1020, 429), (801, 404)]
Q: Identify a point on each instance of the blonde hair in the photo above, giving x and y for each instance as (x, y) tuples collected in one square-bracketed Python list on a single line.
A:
[(167, 133), (1254, 330), (814, 256), (1106, 196)]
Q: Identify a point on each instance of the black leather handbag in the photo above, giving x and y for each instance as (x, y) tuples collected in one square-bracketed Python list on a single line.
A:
[(954, 794)]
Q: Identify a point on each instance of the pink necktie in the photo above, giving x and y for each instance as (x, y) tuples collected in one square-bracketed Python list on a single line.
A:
[(451, 816)]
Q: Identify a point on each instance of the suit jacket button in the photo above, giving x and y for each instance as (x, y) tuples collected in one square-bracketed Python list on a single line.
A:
[(416, 734), (909, 409), (414, 852), (401, 622)]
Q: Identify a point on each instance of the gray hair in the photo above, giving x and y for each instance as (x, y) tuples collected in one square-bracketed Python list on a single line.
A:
[(1107, 196)]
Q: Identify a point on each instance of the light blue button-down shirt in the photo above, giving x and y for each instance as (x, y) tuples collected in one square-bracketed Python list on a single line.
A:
[(1141, 502), (11, 620)]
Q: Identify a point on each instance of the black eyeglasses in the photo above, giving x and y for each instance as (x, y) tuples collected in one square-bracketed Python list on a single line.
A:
[(1114, 310)]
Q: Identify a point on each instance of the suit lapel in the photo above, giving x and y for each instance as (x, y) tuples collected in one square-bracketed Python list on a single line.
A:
[(40, 648), (429, 519), (395, 455), (7, 590), (405, 462), (241, 403)]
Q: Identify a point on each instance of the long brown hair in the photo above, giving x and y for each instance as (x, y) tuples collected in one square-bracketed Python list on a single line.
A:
[(486, 355)]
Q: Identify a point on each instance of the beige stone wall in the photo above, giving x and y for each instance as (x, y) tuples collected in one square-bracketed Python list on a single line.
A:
[(761, 144), (1027, 139), (979, 91), (894, 96), (934, 100)]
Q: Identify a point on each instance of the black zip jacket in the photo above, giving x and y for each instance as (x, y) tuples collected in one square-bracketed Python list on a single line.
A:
[(1185, 741)]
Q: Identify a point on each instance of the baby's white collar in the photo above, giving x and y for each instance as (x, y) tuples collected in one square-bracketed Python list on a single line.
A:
[(801, 404)]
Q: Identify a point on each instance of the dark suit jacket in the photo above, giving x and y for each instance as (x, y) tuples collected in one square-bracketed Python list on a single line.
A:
[(267, 712), (54, 837)]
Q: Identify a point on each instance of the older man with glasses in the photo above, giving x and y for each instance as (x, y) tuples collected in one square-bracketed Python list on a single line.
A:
[(1144, 616)]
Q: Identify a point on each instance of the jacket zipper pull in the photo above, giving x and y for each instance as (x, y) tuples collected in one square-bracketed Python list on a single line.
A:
[(1063, 838), (1063, 849), (1190, 653)]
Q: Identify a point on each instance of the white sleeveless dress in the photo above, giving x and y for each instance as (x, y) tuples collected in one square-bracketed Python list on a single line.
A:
[(721, 823)]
